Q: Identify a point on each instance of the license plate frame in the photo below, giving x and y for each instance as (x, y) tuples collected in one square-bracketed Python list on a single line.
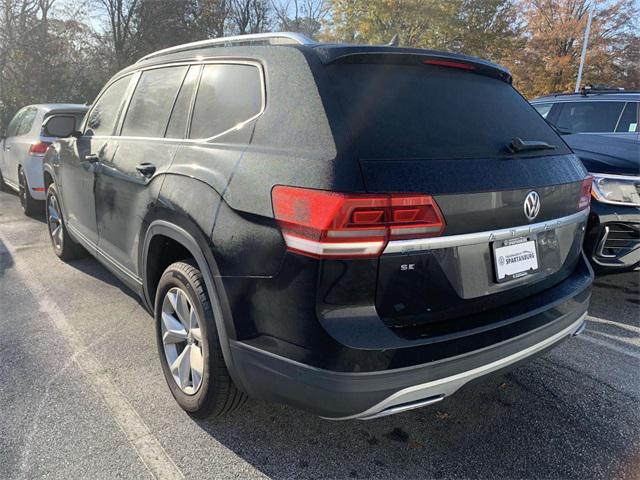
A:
[(514, 248)]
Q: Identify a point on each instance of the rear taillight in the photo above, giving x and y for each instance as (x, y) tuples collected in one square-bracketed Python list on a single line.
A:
[(39, 148), (585, 193), (325, 224)]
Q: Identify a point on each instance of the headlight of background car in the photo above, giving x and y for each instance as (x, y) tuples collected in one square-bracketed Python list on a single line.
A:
[(616, 189)]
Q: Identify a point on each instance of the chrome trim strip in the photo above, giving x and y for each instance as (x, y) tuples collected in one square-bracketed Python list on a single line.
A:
[(130, 91), (603, 240), (420, 244), (255, 37), (431, 392)]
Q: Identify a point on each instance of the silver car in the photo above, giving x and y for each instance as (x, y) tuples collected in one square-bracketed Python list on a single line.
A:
[(22, 147)]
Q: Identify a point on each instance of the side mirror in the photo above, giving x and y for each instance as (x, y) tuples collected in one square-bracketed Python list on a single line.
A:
[(60, 126)]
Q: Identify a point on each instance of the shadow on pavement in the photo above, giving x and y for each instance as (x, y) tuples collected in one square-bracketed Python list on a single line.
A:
[(525, 424)]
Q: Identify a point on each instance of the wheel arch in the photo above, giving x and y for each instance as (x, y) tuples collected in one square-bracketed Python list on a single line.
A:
[(194, 242)]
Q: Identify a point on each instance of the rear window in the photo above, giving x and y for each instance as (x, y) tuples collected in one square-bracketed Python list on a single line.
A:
[(588, 117), (423, 111)]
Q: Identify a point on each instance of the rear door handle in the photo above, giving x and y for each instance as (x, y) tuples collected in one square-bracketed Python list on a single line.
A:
[(146, 169), (92, 158), (6, 149)]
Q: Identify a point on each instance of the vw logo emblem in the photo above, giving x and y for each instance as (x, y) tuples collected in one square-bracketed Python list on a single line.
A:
[(532, 205)]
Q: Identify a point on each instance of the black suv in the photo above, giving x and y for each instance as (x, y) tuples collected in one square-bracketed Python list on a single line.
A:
[(352, 230)]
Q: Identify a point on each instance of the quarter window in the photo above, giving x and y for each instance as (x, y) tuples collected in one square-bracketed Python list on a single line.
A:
[(27, 121), (227, 96), (104, 114), (543, 108), (152, 101), (586, 117)]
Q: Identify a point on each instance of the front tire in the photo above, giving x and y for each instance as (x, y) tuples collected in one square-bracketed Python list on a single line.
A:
[(63, 245), (189, 346), (30, 206)]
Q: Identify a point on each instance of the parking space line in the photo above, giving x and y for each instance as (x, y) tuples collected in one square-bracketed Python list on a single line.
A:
[(624, 326), (140, 437), (609, 345)]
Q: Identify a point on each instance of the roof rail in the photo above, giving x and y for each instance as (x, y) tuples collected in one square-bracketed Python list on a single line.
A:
[(277, 38)]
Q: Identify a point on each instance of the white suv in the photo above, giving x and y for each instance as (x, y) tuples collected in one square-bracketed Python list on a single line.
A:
[(22, 147)]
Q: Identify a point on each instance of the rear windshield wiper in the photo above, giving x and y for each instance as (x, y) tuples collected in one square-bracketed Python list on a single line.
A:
[(518, 145)]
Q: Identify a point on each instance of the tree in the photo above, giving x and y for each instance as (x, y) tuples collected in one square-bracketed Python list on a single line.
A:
[(548, 61), (487, 28), (250, 16), (120, 27), (302, 16)]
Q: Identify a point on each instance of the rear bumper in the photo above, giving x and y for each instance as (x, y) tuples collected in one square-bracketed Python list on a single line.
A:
[(364, 395), (612, 240), (35, 176)]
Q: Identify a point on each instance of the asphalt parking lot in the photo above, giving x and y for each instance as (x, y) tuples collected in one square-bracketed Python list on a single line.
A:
[(83, 395)]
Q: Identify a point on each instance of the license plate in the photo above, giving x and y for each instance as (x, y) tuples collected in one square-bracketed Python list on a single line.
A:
[(515, 258)]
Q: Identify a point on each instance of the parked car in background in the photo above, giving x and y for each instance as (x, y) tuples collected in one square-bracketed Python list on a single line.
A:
[(22, 148), (601, 127), (352, 230)]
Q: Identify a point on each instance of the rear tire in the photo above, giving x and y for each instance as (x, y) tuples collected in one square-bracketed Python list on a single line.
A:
[(63, 245), (198, 377), (30, 206), (3, 186)]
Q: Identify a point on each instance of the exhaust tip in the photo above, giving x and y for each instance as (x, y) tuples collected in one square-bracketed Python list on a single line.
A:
[(580, 329)]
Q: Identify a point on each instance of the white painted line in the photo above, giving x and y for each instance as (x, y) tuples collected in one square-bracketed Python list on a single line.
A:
[(608, 345), (142, 440), (624, 326)]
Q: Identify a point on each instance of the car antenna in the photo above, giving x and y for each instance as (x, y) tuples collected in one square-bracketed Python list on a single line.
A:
[(394, 41)]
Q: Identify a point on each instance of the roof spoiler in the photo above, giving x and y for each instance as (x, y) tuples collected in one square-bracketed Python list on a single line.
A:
[(400, 56)]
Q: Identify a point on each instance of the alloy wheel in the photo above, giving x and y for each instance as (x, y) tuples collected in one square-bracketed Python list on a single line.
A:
[(54, 221), (182, 340)]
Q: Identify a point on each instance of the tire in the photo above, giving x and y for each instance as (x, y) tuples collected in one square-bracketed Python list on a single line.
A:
[(3, 186), (63, 245), (30, 206), (211, 392)]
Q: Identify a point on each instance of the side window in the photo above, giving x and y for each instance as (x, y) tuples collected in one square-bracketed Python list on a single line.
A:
[(180, 115), (104, 114), (629, 119), (543, 108), (14, 124), (152, 101), (227, 95), (27, 121), (585, 117)]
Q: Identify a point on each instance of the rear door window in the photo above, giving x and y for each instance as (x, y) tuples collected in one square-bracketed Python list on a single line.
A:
[(396, 111), (589, 117), (104, 114), (629, 119), (152, 101), (14, 124), (177, 127), (227, 96)]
